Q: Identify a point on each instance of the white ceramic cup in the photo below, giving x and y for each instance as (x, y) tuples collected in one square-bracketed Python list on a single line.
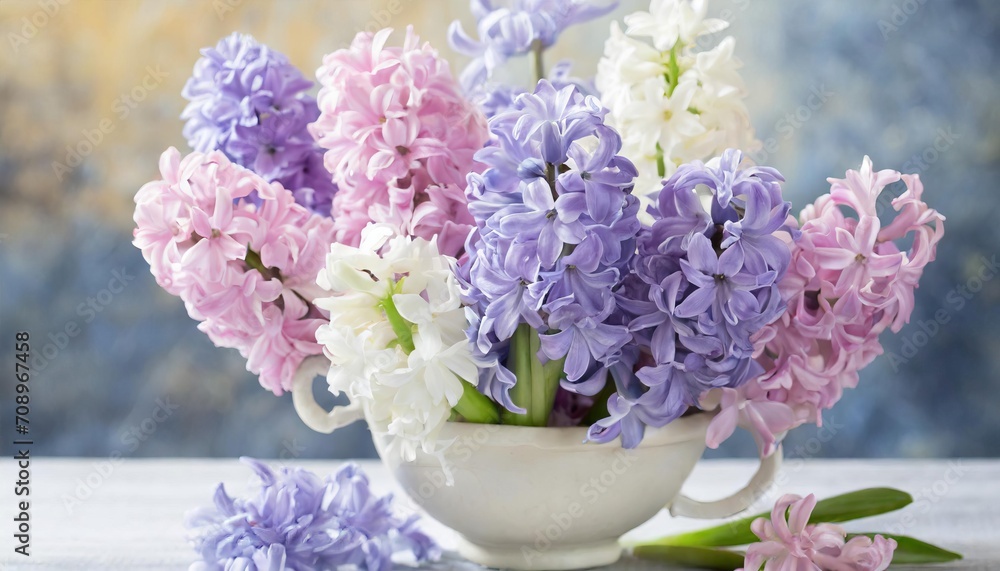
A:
[(542, 498)]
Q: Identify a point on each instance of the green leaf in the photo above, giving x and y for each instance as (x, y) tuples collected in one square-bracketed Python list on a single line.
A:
[(476, 407), (859, 504), (910, 551), (699, 557), (845, 507)]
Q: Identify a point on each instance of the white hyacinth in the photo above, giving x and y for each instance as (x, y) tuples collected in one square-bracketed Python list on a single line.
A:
[(407, 374), (671, 101)]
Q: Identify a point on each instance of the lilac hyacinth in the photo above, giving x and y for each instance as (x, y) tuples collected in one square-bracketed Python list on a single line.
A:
[(300, 522), (516, 28), (703, 282), (249, 102), (556, 230)]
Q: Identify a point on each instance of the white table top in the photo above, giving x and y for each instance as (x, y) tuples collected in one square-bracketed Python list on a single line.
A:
[(133, 517)]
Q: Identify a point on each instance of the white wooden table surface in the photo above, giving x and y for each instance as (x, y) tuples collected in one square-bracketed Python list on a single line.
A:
[(132, 517)]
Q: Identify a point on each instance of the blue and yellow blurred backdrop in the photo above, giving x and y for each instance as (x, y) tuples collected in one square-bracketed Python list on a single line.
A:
[(90, 96)]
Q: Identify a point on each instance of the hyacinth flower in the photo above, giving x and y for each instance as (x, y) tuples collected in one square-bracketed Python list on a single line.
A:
[(397, 340), (300, 522), (556, 228), (244, 268), (789, 542), (400, 137), (515, 29), (849, 280), (247, 101), (673, 101), (703, 283)]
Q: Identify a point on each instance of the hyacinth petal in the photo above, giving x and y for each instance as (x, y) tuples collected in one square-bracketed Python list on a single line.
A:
[(538, 195), (731, 261), (778, 522), (798, 514), (549, 246), (697, 302), (381, 160), (413, 308), (835, 258), (701, 256), (461, 42), (722, 427), (274, 559)]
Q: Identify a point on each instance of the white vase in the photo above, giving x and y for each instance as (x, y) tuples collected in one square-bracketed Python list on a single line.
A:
[(542, 498)]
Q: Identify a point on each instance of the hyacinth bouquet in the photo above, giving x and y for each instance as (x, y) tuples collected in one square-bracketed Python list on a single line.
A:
[(596, 252)]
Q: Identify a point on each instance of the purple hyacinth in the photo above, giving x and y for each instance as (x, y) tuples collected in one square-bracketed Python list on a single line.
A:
[(556, 228), (703, 282), (249, 102), (300, 522), (512, 30)]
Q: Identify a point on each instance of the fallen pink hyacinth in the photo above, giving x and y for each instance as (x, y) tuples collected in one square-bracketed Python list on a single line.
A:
[(400, 139), (246, 272), (789, 543), (847, 283)]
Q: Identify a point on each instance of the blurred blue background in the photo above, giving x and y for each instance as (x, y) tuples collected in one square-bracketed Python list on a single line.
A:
[(912, 83)]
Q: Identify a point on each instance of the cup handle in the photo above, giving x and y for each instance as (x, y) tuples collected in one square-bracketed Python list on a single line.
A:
[(686, 507), (313, 415)]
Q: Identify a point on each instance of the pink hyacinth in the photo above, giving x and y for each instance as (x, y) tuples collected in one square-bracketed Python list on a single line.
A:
[(400, 137), (790, 543), (246, 272), (847, 283)]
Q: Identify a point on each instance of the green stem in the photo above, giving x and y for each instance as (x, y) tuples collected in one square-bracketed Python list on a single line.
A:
[(536, 406), (473, 406), (550, 178), (673, 71), (673, 77), (537, 61), (519, 363), (401, 327), (476, 407), (253, 260), (661, 166), (536, 385), (552, 371)]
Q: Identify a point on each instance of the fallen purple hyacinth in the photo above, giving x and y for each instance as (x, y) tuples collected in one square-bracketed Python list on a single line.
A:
[(299, 522)]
